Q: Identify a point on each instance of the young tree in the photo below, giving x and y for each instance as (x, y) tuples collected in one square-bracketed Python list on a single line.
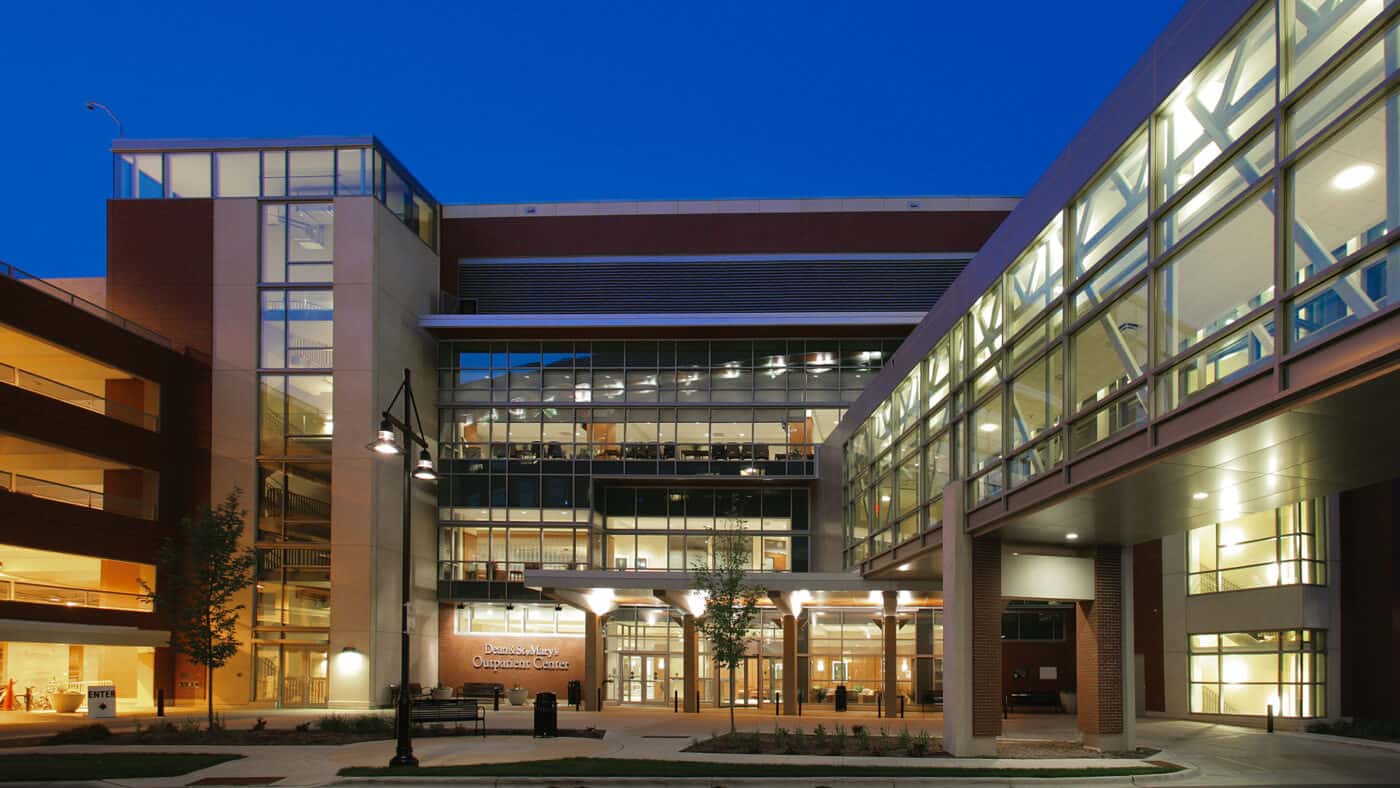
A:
[(731, 603), (200, 574)]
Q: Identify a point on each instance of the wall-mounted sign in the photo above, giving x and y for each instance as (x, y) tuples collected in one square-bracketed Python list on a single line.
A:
[(496, 658)]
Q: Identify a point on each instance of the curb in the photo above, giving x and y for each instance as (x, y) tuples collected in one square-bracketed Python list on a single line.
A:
[(911, 781)]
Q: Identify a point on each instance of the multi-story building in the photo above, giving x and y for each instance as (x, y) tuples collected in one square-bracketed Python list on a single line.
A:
[(1118, 440), (99, 458)]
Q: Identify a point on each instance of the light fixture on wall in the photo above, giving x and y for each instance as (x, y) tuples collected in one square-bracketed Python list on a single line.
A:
[(558, 608), (461, 605)]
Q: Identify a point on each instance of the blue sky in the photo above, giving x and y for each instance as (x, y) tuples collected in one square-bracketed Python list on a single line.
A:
[(553, 101)]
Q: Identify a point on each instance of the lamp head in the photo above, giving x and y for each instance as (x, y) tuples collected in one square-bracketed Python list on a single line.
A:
[(424, 469), (385, 441)]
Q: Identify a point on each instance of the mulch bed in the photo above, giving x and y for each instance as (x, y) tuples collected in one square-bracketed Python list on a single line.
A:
[(862, 741)]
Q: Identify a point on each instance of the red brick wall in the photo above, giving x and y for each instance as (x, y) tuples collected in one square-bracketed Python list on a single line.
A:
[(987, 607), (1099, 629)]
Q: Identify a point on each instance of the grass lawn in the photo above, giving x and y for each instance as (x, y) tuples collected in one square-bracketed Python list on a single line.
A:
[(33, 767), (626, 767)]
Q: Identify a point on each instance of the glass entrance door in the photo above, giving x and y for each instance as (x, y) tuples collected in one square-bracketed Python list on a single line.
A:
[(746, 683), (643, 678), (292, 675)]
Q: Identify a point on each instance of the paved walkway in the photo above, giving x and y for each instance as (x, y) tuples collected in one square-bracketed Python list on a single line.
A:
[(1220, 755)]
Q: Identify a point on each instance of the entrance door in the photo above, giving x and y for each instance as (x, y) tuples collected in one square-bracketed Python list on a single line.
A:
[(292, 675), (746, 684), (643, 678)]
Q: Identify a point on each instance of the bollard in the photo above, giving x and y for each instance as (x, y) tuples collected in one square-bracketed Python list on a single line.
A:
[(697, 701), (901, 707), (160, 702), (1269, 718), (496, 699), (800, 697), (600, 699), (678, 703), (777, 702), (28, 698), (879, 700)]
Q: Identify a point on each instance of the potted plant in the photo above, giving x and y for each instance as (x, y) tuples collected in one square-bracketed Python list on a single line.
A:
[(516, 694), (819, 694), (67, 700)]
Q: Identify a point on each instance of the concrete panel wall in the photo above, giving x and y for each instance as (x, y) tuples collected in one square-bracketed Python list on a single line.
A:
[(234, 393), (385, 277)]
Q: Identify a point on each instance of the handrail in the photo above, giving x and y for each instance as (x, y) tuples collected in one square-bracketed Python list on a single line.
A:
[(24, 277), (70, 494), (84, 399), (13, 589)]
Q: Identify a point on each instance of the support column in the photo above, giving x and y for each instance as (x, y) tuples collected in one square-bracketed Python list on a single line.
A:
[(594, 670), (789, 665), (690, 664), (1103, 631), (889, 627), (972, 608)]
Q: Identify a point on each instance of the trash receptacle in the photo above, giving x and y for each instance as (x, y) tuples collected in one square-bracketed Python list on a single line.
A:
[(840, 697), (546, 714), (575, 692)]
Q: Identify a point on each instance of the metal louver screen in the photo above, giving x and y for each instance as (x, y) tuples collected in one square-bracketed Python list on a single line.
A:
[(626, 286)]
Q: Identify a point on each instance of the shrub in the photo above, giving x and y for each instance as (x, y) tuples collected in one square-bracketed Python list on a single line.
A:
[(755, 743), (365, 724), (920, 745), (820, 735), (87, 734), (260, 725), (904, 741), (838, 740), (863, 743), (780, 737), (303, 727)]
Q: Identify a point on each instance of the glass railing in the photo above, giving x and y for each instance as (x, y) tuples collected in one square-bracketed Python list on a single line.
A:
[(70, 494), (75, 396), (500, 571), (82, 303), (14, 590)]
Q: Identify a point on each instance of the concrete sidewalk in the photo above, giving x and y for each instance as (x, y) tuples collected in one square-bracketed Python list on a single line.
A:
[(1217, 754)]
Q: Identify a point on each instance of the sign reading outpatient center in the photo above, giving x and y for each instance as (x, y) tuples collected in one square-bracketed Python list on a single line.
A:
[(496, 658)]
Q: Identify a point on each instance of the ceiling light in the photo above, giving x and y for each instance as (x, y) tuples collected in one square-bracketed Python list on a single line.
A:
[(1071, 536), (1353, 177), (1200, 496), (989, 427), (905, 567)]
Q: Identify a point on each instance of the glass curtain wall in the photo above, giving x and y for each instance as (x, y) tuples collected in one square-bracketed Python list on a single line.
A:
[(1245, 673), (526, 427), (1286, 546), (846, 648), (1054, 360), (295, 428), (278, 174)]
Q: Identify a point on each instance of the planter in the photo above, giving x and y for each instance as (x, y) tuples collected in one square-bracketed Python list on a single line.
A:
[(442, 693), (66, 702), (1070, 700), (516, 695)]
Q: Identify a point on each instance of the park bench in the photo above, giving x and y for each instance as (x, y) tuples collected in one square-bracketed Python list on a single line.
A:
[(449, 710), (483, 690), (1030, 698)]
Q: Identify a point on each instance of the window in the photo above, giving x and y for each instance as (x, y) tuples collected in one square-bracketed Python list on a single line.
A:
[(1036, 278), (237, 173), (1244, 673), (1285, 546), (1112, 208), (1363, 290), (1214, 106), (297, 329), (1035, 622), (1235, 354), (188, 175), (298, 242), (1036, 399), (1109, 352), (294, 502), (521, 619), (1320, 28), (1343, 195), (295, 415), (1244, 171), (1217, 279)]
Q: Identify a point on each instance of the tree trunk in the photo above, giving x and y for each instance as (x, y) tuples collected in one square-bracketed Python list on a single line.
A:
[(732, 729), (209, 693)]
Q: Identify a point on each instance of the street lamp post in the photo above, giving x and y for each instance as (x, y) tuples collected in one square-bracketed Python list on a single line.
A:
[(386, 443)]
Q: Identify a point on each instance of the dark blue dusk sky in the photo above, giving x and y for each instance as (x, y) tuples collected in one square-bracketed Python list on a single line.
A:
[(555, 101)]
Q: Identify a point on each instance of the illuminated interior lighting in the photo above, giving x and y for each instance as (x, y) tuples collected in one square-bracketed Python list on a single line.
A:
[(1200, 496), (1071, 536), (1353, 177), (988, 427), (905, 567)]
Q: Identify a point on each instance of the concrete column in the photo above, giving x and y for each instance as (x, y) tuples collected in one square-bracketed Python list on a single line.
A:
[(594, 670), (889, 628), (971, 635), (789, 665), (690, 664), (1103, 629)]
